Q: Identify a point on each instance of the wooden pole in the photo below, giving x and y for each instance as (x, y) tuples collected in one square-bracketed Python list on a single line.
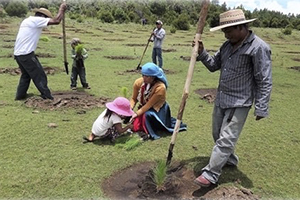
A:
[(200, 27), (64, 43)]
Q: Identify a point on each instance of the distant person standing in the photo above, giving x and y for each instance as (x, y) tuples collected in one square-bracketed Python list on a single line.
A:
[(25, 45), (157, 38)]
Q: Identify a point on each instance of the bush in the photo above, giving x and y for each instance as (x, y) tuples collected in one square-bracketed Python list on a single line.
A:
[(287, 31), (16, 8), (173, 29), (182, 22), (106, 16)]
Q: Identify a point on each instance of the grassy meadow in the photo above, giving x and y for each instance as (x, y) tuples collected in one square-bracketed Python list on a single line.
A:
[(38, 162)]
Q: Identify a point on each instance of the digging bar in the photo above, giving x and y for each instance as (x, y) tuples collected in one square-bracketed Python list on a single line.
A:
[(200, 27), (139, 65), (64, 42)]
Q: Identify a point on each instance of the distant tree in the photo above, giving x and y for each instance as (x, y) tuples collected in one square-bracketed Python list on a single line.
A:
[(16, 8), (120, 16)]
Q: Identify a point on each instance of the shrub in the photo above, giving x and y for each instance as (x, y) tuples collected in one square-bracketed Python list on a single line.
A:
[(106, 16), (16, 8), (287, 31), (182, 22), (173, 29)]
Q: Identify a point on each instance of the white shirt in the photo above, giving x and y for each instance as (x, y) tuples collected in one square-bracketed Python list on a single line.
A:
[(101, 125), (29, 34)]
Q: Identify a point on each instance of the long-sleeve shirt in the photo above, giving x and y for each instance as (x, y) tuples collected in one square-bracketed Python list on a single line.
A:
[(246, 74), (157, 96), (158, 39)]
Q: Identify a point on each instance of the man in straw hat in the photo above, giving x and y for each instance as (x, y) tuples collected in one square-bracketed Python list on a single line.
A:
[(25, 45), (245, 79)]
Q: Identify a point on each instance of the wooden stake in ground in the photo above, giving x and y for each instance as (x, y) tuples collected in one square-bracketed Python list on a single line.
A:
[(64, 43), (200, 27)]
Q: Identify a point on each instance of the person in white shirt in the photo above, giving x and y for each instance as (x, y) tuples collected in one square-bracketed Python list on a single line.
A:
[(25, 45), (109, 122)]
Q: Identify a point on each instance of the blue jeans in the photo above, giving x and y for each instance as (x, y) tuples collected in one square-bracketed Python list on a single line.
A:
[(156, 53), (227, 126)]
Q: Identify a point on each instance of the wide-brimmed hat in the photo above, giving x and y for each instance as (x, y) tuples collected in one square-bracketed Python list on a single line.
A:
[(231, 18), (121, 106), (151, 69), (43, 11)]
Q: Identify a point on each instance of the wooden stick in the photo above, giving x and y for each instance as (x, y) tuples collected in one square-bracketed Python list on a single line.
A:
[(200, 27), (64, 43)]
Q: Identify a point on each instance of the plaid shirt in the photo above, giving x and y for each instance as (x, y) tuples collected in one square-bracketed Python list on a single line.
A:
[(246, 74)]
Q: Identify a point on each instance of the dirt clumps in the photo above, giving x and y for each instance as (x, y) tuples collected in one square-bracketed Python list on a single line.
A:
[(135, 182), (208, 94), (17, 71), (67, 99)]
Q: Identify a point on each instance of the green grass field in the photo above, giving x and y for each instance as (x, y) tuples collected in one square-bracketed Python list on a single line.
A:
[(52, 163)]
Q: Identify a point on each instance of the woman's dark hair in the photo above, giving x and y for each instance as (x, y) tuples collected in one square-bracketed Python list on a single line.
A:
[(108, 113)]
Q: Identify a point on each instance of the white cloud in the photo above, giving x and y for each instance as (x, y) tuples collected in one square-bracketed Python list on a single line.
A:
[(284, 6)]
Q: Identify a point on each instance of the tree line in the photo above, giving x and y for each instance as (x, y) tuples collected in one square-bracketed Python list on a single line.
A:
[(180, 15)]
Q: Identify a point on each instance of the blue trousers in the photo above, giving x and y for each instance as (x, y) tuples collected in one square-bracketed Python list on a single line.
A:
[(157, 55)]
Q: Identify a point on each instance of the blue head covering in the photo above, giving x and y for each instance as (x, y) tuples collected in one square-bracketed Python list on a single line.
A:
[(151, 69)]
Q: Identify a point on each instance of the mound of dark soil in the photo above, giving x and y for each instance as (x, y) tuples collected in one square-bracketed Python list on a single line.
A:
[(135, 182), (67, 99)]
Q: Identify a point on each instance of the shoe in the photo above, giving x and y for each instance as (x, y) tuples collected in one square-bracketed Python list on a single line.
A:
[(73, 88), (202, 181), (87, 87)]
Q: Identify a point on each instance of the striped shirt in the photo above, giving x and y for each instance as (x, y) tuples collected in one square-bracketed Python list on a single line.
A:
[(245, 74)]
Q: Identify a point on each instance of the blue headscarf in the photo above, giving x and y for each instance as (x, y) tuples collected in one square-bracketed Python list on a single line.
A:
[(151, 69)]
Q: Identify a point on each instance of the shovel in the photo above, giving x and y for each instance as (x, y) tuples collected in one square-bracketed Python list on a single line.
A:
[(64, 43), (139, 65), (200, 27)]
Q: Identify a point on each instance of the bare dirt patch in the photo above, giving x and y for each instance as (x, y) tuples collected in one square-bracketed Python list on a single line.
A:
[(17, 71), (112, 39), (45, 55), (135, 182), (120, 57), (135, 45), (207, 94), (169, 50), (297, 68), (67, 99)]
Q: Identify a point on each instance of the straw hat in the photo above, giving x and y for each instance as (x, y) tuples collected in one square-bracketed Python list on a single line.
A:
[(44, 11), (121, 106), (231, 18)]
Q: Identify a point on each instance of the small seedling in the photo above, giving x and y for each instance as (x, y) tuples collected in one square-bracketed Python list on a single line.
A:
[(79, 49), (160, 175)]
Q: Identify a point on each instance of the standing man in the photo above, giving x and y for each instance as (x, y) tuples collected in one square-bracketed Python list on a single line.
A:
[(25, 45), (244, 61), (158, 36)]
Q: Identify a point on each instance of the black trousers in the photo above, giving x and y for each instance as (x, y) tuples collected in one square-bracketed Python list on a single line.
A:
[(31, 68)]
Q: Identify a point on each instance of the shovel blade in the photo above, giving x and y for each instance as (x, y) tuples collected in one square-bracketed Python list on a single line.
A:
[(66, 67)]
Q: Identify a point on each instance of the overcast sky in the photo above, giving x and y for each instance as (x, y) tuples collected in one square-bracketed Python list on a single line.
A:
[(284, 6)]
